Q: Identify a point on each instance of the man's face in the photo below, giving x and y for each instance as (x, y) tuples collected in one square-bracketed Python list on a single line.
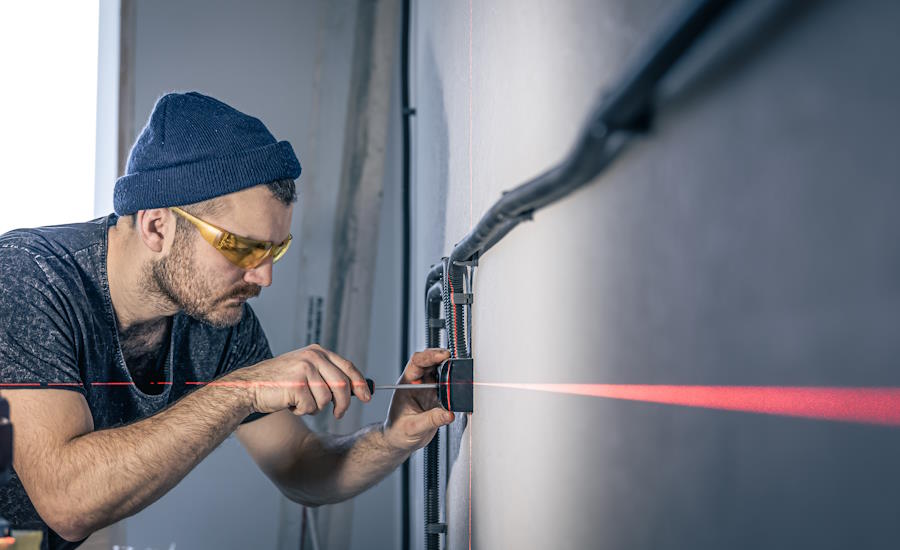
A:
[(204, 284)]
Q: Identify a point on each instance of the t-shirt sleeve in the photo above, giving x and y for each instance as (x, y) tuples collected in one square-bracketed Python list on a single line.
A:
[(248, 345), (37, 343)]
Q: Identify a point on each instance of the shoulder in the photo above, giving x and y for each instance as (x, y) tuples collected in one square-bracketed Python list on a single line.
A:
[(55, 240), (55, 261), (21, 265), (51, 250)]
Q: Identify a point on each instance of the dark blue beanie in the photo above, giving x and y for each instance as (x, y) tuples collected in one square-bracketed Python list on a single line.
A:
[(195, 148)]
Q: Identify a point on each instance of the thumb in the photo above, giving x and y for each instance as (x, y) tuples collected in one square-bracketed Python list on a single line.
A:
[(430, 420)]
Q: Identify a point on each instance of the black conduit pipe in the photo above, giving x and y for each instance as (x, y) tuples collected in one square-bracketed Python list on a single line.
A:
[(433, 318), (407, 263), (623, 111), (433, 295), (434, 275)]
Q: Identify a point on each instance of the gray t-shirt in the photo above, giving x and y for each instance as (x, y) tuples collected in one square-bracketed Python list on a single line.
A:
[(58, 330)]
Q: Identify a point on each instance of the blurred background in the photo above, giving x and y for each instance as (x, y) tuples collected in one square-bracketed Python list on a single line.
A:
[(747, 238)]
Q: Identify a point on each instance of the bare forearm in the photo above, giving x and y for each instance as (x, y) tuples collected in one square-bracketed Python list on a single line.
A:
[(111, 474), (337, 467)]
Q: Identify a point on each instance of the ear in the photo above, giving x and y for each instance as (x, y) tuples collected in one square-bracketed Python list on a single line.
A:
[(156, 228)]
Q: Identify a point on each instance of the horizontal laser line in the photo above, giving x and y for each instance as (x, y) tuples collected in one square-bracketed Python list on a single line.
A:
[(868, 405)]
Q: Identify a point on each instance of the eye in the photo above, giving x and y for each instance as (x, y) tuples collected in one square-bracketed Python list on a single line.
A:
[(228, 242), (243, 248)]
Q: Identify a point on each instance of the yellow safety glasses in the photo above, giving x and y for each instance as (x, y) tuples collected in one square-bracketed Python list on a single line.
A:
[(241, 251)]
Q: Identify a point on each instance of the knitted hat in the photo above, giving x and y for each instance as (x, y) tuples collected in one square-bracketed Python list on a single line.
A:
[(195, 148)]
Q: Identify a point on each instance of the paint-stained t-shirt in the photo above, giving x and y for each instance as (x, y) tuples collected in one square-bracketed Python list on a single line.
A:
[(58, 330)]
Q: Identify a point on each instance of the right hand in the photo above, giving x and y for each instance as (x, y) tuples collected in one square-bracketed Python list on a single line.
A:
[(303, 380)]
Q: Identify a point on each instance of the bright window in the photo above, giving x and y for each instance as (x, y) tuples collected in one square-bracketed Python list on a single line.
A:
[(48, 105)]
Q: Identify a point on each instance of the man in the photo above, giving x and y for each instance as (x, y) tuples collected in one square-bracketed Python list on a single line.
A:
[(109, 331)]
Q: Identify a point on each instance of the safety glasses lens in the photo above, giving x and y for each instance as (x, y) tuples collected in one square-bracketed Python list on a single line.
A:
[(279, 250)]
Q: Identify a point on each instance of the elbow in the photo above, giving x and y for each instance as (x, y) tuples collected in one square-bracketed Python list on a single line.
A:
[(303, 499), (66, 522), (69, 528)]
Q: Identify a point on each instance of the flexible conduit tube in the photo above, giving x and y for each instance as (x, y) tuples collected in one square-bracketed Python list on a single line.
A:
[(453, 312), (620, 113), (433, 295)]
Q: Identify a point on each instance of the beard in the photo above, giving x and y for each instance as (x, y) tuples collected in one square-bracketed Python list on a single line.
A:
[(178, 280)]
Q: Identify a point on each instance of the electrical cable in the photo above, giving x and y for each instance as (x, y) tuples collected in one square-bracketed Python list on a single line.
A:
[(623, 112)]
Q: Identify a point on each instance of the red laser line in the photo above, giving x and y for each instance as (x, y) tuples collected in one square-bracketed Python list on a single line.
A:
[(862, 405), (274, 384)]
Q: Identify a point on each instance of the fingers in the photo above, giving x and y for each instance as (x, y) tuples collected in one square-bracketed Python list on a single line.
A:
[(357, 381), (422, 423), (318, 388), (336, 381), (423, 363)]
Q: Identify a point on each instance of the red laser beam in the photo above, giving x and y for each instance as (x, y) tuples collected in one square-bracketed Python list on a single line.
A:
[(863, 405), (866, 405), (227, 383)]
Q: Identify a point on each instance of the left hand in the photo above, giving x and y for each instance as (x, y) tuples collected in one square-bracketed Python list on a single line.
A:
[(415, 415)]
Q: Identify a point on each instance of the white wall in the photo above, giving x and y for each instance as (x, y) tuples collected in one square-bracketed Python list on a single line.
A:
[(748, 240)]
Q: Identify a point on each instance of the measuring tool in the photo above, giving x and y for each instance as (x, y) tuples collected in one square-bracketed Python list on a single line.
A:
[(454, 389)]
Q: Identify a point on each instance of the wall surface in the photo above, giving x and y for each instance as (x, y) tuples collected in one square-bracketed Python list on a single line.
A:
[(287, 63), (747, 240)]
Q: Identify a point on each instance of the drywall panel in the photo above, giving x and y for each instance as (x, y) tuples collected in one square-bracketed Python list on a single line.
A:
[(748, 240)]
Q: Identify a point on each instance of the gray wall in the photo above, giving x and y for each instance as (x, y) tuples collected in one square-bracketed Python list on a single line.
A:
[(288, 63), (748, 240)]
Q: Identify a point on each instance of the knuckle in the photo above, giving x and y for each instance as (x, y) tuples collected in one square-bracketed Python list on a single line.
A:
[(323, 397)]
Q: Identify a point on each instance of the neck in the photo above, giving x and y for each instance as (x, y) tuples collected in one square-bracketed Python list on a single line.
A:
[(135, 300)]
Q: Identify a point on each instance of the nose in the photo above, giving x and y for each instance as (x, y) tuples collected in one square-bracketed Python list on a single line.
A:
[(260, 275)]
